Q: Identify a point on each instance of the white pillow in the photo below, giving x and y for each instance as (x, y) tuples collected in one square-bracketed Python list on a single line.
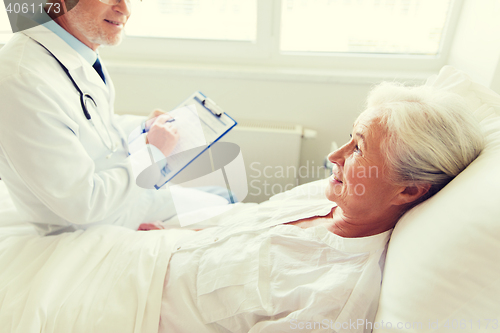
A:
[(443, 263)]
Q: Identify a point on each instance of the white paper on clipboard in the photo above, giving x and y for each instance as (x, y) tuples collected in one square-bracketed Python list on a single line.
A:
[(198, 127)]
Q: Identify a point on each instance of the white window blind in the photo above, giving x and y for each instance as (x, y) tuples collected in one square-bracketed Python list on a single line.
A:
[(363, 26), (234, 20)]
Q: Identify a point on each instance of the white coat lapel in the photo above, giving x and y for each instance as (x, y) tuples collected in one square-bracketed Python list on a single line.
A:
[(107, 88), (58, 47), (110, 85), (94, 78)]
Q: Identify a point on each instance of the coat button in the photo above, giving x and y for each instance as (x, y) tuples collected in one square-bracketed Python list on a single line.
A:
[(178, 248), (216, 239)]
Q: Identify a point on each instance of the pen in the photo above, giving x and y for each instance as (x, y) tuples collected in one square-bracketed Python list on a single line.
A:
[(146, 129)]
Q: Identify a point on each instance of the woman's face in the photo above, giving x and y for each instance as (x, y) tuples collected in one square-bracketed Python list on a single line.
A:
[(359, 183)]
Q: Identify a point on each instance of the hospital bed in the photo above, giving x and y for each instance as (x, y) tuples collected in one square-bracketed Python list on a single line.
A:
[(442, 269)]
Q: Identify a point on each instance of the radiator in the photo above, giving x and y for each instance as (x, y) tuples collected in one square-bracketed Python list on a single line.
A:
[(271, 152)]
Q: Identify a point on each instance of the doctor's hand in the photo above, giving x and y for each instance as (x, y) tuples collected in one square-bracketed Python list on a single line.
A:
[(163, 134), (152, 117)]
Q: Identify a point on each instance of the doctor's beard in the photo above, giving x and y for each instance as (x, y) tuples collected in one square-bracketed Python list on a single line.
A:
[(88, 25)]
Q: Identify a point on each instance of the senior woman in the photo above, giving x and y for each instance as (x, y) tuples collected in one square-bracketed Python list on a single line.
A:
[(303, 262)]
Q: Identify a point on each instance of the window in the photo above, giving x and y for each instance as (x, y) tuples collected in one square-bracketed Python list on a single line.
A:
[(335, 34), (363, 26), (234, 20), (326, 34)]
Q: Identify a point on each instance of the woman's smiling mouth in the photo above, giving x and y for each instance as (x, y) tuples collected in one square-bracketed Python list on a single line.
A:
[(334, 179)]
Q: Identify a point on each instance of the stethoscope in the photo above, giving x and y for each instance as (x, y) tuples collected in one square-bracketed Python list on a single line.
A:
[(84, 100)]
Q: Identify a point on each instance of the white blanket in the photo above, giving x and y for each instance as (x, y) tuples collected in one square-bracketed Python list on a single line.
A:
[(106, 279)]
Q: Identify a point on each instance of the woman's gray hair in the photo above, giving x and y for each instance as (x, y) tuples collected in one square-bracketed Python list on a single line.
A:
[(432, 134)]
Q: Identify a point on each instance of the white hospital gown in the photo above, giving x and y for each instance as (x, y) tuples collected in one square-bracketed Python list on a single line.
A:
[(255, 274)]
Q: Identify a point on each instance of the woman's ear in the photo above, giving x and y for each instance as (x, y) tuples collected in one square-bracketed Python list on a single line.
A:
[(411, 194)]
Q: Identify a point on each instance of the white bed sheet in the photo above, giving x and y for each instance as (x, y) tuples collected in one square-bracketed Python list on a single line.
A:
[(11, 222), (104, 279)]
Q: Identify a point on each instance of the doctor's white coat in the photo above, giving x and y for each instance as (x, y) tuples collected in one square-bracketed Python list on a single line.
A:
[(53, 161)]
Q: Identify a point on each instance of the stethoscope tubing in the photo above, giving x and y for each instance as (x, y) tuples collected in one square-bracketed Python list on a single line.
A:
[(84, 96)]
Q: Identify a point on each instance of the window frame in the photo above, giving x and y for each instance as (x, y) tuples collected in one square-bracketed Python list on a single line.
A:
[(196, 50), (265, 50)]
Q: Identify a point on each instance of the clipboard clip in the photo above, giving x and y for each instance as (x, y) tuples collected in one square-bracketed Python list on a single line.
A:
[(212, 107)]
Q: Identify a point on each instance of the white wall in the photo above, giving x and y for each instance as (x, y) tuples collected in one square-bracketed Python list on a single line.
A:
[(326, 103), (476, 46)]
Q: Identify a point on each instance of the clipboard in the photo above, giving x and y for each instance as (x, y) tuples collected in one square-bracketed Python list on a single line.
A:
[(200, 123)]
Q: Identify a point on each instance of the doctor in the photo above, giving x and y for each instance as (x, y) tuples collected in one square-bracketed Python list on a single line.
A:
[(63, 152)]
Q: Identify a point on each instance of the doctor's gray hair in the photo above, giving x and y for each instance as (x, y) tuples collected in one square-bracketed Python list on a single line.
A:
[(431, 134)]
